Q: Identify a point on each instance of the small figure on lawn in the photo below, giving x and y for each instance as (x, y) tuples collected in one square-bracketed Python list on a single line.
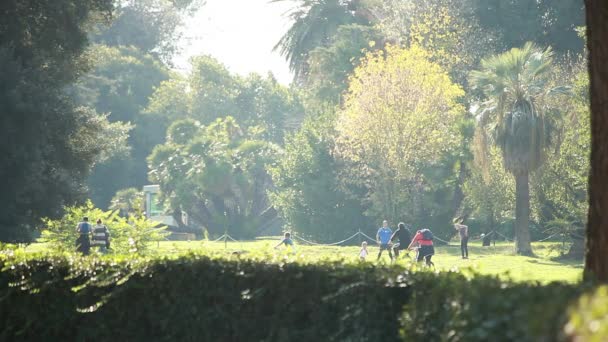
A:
[(463, 231), (403, 235), (383, 237), (423, 242), (101, 236), (363, 252), (83, 244), (287, 241)]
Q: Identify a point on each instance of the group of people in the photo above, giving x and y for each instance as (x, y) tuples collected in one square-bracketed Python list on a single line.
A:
[(401, 240), (92, 236)]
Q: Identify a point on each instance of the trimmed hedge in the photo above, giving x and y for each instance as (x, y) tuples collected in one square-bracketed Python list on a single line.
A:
[(195, 298)]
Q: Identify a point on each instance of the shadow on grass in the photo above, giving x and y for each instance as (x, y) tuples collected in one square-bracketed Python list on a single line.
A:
[(563, 262)]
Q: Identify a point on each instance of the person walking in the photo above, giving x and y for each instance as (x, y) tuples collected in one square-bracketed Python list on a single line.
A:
[(83, 244), (463, 231), (363, 251), (101, 236), (383, 237), (404, 236)]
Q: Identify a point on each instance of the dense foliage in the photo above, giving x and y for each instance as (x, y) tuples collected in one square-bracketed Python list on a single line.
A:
[(217, 173), (515, 114), (49, 143), (374, 126), (307, 191), (199, 298), (127, 235), (400, 117)]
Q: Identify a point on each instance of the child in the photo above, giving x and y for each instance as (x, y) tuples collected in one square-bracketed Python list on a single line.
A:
[(287, 241), (363, 251)]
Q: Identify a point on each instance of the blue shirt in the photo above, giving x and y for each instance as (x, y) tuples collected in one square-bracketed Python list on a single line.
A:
[(84, 227), (287, 242), (384, 234)]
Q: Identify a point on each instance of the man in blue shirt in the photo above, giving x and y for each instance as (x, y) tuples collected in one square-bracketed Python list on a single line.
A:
[(383, 237)]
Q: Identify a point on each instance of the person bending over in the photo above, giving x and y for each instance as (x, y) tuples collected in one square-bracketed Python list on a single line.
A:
[(423, 240), (287, 241)]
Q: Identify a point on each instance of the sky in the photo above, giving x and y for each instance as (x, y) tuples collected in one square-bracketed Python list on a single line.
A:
[(240, 34)]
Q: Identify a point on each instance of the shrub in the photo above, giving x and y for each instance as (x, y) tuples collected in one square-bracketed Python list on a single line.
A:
[(131, 236), (195, 297), (588, 319)]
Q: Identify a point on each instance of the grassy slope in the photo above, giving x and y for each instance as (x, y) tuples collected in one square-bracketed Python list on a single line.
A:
[(485, 260)]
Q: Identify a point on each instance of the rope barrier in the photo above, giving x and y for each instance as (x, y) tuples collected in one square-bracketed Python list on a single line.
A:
[(220, 238), (368, 237), (483, 237), (231, 238), (327, 244), (506, 238), (550, 237), (442, 240), (577, 236), (359, 233)]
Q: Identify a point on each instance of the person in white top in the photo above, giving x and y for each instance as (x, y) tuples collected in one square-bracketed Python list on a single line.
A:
[(101, 236), (363, 251)]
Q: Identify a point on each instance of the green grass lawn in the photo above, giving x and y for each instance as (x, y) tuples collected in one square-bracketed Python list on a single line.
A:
[(498, 260)]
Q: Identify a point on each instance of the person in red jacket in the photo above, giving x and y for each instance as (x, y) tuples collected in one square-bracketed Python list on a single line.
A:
[(423, 240)]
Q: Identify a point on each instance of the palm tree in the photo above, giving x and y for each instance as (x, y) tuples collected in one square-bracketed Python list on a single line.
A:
[(314, 24), (515, 85)]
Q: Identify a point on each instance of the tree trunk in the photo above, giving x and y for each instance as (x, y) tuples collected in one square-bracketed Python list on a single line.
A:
[(577, 249), (597, 228), (522, 215)]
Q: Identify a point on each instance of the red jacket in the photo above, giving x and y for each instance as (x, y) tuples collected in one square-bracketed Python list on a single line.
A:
[(420, 240)]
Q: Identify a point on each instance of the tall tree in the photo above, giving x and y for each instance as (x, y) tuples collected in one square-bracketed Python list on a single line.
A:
[(514, 85), (314, 24), (152, 26), (330, 66), (545, 22), (211, 92), (120, 85), (48, 142), (597, 229), (306, 190), (400, 116), (217, 173)]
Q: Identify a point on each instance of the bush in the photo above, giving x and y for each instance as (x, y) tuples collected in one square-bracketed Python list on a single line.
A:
[(132, 235), (589, 318), (196, 297)]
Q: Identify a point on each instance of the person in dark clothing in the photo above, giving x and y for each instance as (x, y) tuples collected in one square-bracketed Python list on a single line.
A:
[(463, 231), (404, 236), (83, 244)]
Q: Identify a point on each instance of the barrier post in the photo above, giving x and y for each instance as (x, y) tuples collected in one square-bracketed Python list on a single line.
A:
[(225, 230)]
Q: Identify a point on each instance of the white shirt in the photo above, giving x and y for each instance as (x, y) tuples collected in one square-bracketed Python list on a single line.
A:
[(363, 253)]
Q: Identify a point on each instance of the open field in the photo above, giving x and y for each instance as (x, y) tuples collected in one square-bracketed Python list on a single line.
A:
[(498, 260)]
